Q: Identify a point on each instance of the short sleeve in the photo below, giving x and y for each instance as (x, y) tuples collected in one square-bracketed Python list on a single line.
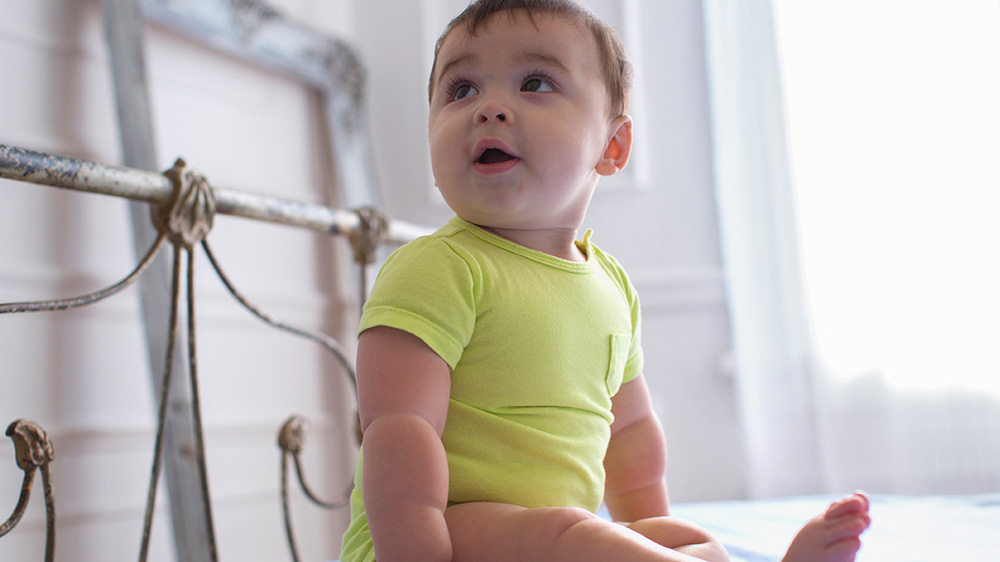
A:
[(426, 288)]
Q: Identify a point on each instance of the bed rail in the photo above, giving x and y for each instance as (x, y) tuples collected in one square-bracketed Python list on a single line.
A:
[(151, 187), (183, 205)]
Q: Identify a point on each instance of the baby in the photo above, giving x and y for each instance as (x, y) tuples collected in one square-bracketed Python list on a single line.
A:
[(499, 360)]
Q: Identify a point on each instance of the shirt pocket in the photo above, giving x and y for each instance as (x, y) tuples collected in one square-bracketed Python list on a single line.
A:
[(616, 364)]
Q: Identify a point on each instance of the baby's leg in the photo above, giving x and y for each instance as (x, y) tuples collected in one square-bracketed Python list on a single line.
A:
[(682, 536), (493, 532), (834, 536)]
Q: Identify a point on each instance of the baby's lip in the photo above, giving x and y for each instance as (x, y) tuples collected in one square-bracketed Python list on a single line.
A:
[(497, 150)]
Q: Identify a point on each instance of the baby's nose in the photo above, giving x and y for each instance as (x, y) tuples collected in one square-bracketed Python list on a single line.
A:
[(498, 115), (493, 112)]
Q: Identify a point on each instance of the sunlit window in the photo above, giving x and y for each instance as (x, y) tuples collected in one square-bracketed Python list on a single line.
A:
[(893, 114)]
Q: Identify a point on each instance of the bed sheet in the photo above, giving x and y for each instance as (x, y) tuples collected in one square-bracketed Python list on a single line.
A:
[(904, 528)]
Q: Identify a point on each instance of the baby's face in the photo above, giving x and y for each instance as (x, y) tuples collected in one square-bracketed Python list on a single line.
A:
[(518, 122)]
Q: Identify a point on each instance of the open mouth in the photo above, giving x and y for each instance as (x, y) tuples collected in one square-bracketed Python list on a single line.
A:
[(494, 156)]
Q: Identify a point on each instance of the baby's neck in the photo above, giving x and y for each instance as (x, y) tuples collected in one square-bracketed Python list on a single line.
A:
[(558, 243)]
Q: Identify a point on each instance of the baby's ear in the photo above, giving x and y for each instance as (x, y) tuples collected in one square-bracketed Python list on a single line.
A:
[(619, 147)]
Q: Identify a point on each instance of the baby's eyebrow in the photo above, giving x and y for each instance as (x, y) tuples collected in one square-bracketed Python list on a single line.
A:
[(461, 59), (524, 56), (542, 58)]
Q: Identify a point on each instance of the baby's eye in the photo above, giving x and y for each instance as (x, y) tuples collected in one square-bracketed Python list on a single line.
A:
[(536, 84), (462, 91)]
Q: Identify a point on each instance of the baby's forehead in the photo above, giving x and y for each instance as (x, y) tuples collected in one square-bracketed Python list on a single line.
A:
[(520, 23)]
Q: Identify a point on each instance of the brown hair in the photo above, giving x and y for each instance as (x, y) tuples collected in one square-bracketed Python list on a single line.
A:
[(615, 66)]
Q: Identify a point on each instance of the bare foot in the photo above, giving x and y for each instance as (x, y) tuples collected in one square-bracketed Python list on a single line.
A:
[(834, 536)]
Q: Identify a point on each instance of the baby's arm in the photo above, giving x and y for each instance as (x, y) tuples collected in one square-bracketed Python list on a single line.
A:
[(636, 459), (635, 489), (403, 391)]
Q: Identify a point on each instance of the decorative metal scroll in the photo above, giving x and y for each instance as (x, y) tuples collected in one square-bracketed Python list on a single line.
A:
[(183, 218), (33, 451), (292, 440)]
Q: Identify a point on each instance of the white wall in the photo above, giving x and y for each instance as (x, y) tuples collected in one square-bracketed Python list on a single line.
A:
[(83, 375)]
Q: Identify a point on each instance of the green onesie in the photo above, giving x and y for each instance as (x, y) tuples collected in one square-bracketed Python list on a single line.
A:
[(537, 345)]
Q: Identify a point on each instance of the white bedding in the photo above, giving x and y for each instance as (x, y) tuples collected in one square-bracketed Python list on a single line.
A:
[(904, 528)]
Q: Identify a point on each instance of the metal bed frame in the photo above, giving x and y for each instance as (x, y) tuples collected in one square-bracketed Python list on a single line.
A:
[(175, 209)]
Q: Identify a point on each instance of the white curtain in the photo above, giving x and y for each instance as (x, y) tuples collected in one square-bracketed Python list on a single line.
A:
[(823, 382), (771, 344)]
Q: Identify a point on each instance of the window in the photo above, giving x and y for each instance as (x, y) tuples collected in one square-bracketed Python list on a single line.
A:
[(893, 115)]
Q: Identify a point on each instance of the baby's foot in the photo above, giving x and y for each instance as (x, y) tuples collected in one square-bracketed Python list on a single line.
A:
[(834, 536)]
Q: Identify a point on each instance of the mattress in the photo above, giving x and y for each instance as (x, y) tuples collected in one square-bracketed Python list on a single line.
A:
[(904, 528)]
